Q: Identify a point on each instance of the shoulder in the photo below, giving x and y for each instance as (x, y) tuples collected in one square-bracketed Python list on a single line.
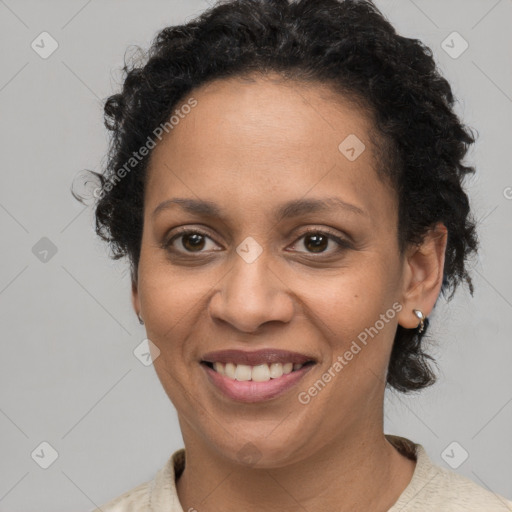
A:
[(434, 488), (455, 492), (157, 495), (136, 499)]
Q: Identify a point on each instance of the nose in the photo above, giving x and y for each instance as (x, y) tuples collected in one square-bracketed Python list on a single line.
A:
[(250, 295)]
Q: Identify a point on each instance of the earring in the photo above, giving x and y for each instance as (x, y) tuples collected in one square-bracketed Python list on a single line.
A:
[(421, 317), (141, 322)]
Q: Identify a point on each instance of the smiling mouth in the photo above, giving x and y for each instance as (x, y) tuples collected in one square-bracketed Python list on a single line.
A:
[(257, 373)]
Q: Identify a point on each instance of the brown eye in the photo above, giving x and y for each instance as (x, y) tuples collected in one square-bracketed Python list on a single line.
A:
[(191, 242), (316, 242)]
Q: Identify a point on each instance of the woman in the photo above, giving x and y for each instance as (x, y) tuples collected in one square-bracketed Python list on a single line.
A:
[(286, 181)]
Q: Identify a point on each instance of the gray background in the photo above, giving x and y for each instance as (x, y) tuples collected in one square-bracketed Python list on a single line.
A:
[(68, 374)]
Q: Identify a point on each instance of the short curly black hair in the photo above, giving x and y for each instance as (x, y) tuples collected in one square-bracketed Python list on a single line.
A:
[(348, 44)]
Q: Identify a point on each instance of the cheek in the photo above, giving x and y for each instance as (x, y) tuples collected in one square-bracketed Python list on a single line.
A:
[(355, 313), (341, 302), (170, 303), (169, 297), (352, 299)]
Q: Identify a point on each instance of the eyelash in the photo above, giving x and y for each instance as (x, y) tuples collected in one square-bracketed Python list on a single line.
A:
[(342, 243)]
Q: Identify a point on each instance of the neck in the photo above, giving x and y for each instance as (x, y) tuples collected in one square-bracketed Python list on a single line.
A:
[(364, 473)]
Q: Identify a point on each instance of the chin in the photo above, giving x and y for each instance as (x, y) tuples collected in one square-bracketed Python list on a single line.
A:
[(261, 453)]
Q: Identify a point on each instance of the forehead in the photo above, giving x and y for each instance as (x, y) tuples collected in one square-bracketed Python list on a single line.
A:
[(264, 136), (251, 113)]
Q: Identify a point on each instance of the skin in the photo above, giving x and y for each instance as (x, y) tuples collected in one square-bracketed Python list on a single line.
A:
[(250, 146)]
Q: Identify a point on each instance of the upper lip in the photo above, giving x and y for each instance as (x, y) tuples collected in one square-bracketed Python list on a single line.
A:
[(256, 357)]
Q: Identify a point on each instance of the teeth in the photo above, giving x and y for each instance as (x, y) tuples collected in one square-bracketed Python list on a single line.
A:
[(259, 373), (242, 372), (276, 370), (287, 368), (229, 370), (219, 368)]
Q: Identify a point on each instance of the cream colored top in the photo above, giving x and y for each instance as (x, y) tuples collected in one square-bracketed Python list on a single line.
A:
[(431, 489)]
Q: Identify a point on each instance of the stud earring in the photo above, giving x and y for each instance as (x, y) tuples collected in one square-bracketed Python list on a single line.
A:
[(141, 322), (421, 318)]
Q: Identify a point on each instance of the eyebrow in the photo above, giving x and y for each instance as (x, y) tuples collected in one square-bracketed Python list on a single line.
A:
[(290, 209)]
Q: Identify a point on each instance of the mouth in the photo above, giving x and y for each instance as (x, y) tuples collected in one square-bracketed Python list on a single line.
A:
[(257, 373), (255, 376)]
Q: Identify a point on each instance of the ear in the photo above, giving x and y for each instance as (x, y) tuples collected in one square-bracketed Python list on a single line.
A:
[(135, 297), (423, 275)]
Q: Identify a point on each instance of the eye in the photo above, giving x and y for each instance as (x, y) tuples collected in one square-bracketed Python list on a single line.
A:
[(317, 241), (191, 241)]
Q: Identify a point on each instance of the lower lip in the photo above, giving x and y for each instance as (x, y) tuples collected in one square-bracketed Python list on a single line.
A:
[(250, 391)]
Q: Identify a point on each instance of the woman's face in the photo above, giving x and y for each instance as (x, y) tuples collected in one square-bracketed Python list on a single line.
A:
[(253, 279)]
